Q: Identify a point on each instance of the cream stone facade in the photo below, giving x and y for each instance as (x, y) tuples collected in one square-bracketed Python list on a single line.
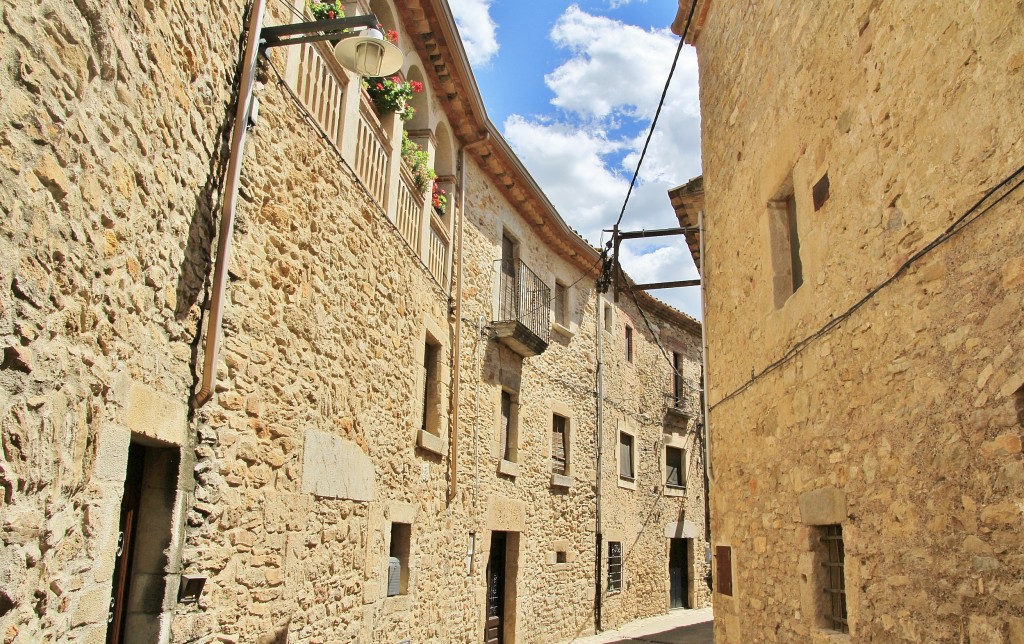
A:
[(377, 448), (863, 266)]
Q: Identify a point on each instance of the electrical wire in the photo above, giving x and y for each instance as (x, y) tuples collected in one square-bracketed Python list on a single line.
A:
[(959, 224), (657, 113)]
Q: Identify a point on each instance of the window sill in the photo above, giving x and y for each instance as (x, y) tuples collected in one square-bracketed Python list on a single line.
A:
[(432, 443), (562, 330), (829, 636), (508, 468), (561, 480), (671, 490), (397, 603), (627, 483)]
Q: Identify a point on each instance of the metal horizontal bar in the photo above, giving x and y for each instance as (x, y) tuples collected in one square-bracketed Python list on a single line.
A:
[(656, 285), (832, 564), (635, 234), (834, 591), (273, 35), (841, 620)]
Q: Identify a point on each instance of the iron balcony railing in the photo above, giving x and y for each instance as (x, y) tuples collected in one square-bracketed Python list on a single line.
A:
[(524, 298)]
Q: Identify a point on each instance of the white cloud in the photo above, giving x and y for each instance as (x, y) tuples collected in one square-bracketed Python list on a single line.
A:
[(583, 159), (614, 68), (477, 28)]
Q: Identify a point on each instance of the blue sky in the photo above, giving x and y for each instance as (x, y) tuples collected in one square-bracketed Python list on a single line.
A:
[(573, 87)]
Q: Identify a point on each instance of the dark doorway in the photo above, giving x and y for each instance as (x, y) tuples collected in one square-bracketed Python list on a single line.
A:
[(143, 543), (125, 543), (494, 627), (678, 571)]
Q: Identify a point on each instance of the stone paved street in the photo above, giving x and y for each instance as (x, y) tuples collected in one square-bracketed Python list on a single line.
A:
[(677, 627)]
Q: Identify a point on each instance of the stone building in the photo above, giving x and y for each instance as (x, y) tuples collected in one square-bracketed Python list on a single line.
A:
[(864, 271), (398, 439)]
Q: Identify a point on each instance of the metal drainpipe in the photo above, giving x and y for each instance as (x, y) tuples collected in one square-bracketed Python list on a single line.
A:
[(457, 360), (227, 221), (600, 452), (704, 346)]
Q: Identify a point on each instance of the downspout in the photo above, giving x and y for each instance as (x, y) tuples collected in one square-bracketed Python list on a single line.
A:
[(704, 346), (227, 220), (457, 306), (704, 365), (600, 452)]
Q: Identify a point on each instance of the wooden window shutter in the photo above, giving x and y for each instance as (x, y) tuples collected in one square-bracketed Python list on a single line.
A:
[(723, 570), (506, 419), (626, 456), (558, 444)]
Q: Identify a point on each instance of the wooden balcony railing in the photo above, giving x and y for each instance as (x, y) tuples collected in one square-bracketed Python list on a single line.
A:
[(320, 90), (409, 215), (437, 253), (372, 152)]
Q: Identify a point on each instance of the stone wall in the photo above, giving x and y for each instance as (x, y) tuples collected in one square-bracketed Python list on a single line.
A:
[(283, 492), (111, 156), (906, 411)]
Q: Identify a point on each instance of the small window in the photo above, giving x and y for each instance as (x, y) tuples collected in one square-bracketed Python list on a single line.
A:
[(607, 317), (430, 420), (559, 462), (794, 243), (675, 474), (398, 562), (561, 304), (677, 380), (561, 557), (787, 263), (509, 427), (626, 466), (833, 564), (614, 566), (629, 343)]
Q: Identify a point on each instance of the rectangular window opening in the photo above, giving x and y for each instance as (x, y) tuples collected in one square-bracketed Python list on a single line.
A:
[(794, 243), (629, 343), (834, 575), (614, 566), (626, 465), (677, 380), (398, 560), (560, 557), (509, 427), (675, 459), (431, 416), (559, 449), (561, 304)]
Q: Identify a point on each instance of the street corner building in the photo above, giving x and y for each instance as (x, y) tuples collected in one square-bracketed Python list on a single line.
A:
[(863, 266), (325, 365)]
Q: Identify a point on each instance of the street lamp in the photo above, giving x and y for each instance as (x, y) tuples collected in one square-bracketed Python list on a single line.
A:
[(366, 52)]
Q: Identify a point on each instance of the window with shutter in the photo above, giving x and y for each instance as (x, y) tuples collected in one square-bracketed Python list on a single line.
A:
[(558, 449), (509, 430), (561, 304), (674, 460), (626, 465)]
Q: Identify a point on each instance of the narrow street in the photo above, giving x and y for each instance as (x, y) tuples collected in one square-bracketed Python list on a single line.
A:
[(678, 627)]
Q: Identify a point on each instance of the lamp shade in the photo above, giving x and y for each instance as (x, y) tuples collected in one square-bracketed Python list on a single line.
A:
[(368, 54)]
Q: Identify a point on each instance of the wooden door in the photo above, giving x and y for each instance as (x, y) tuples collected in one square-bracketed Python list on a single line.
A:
[(125, 544), (495, 625), (677, 574)]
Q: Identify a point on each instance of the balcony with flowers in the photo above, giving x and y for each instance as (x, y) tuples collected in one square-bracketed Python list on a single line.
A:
[(385, 130)]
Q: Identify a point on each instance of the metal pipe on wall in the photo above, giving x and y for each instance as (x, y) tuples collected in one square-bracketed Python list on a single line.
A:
[(227, 219)]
